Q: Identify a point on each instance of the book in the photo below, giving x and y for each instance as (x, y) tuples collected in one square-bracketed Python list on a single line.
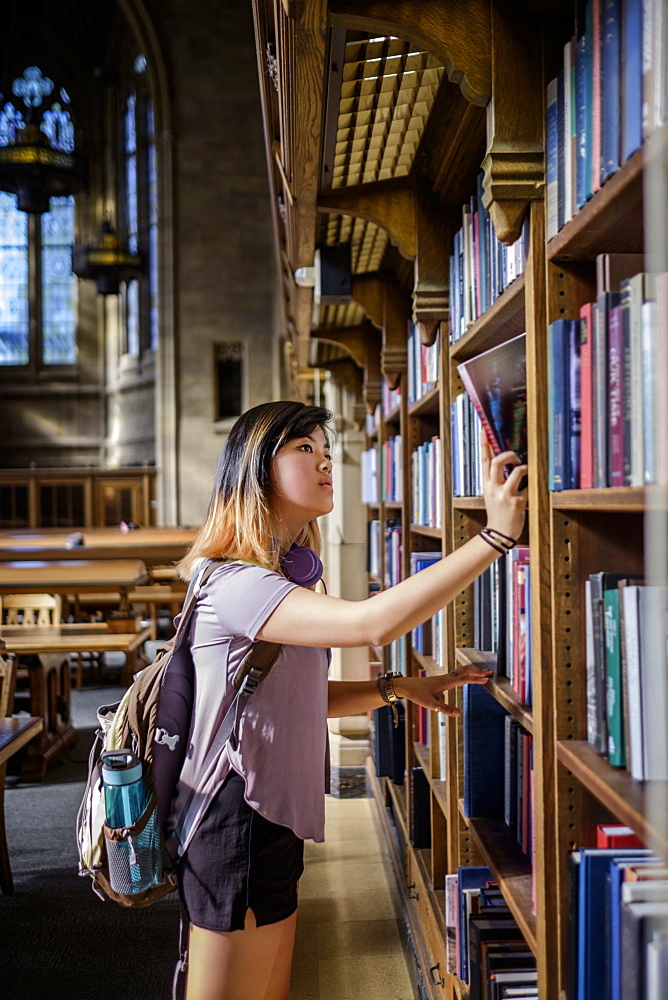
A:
[(582, 136), (421, 809), (639, 922), (615, 475), (558, 402), (484, 737), (597, 92), (605, 302), (472, 877), (654, 680), (618, 870), (487, 926), (632, 39), (552, 139), (496, 382), (616, 835), (611, 93), (451, 922), (586, 396), (613, 670)]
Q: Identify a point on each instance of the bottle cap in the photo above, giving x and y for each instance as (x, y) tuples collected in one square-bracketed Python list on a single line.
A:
[(120, 767)]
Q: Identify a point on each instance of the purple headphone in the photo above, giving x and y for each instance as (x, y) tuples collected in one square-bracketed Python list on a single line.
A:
[(302, 566)]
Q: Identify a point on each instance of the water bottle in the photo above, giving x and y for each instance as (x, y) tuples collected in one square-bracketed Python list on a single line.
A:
[(124, 791)]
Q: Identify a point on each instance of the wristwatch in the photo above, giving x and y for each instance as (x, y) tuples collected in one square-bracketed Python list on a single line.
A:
[(385, 684)]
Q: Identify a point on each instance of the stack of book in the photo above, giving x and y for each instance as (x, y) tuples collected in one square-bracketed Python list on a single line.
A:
[(618, 920), (422, 637), (484, 946), (466, 455), (427, 483), (603, 389), (480, 266), (423, 365), (627, 680), (608, 97)]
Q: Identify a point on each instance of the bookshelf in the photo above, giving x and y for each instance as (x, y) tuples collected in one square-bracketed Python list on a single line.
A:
[(488, 112)]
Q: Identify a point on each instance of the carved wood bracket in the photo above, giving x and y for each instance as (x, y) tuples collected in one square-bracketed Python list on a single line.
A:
[(388, 308), (363, 344), (458, 33), (388, 204)]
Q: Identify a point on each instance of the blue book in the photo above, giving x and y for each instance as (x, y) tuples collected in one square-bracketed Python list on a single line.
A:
[(589, 96), (611, 96), (593, 957), (561, 150), (615, 879), (483, 248), (421, 809), (484, 741), (582, 136), (574, 404), (552, 137), (631, 77), (475, 877), (559, 449)]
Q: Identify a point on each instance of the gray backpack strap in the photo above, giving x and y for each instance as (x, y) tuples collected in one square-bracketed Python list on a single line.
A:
[(190, 600), (256, 665)]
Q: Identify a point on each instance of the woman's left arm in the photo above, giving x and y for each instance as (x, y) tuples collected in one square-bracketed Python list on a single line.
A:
[(354, 697)]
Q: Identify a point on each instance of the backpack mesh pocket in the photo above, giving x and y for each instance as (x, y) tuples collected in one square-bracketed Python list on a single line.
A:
[(136, 856)]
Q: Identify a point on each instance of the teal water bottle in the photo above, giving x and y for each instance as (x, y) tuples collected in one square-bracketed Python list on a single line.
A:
[(124, 790)]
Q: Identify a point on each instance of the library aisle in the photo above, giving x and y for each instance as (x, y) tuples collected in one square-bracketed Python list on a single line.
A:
[(348, 945)]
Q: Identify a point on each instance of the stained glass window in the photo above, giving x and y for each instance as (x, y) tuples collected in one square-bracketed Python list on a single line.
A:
[(152, 230), (58, 284), (14, 319), (131, 203)]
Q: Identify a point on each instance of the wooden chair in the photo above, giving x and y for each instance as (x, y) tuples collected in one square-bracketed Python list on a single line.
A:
[(7, 685), (30, 609)]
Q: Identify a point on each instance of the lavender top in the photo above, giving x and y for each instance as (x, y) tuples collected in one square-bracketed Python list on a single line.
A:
[(282, 746)]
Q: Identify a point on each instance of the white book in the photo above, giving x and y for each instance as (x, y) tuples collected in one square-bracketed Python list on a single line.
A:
[(654, 673), (636, 291), (631, 611)]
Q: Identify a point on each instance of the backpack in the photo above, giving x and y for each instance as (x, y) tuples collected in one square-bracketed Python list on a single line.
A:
[(136, 866)]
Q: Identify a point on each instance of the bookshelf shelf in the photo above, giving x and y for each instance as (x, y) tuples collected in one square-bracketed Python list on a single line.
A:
[(427, 405), (423, 529), (610, 222), (624, 498), (392, 505), (613, 787), (511, 868), (393, 418), (427, 663), (468, 503), (504, 319), (498, 687), (438, 785)]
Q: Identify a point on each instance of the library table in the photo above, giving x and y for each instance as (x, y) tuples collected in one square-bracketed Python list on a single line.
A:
[(50, 681), (14, 734), (75, 576), (154, 546)]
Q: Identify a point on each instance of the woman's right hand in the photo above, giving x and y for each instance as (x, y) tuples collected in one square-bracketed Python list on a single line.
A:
[(504, 501)]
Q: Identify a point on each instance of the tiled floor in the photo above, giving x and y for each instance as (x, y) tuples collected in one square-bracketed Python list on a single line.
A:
[(348, 945)]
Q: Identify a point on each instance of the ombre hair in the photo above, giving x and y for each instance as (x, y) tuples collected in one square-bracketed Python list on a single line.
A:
[(238, 523)]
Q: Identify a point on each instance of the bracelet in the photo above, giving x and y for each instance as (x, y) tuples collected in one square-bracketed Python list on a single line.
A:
[(385, 685), (502, 543)]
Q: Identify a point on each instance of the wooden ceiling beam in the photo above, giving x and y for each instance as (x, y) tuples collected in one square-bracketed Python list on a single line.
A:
[(458, 34)]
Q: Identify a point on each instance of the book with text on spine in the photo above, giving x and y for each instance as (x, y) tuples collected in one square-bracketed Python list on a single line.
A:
[(496, 382)]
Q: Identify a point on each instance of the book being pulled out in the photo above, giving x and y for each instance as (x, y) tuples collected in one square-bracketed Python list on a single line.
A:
[(496, 382)]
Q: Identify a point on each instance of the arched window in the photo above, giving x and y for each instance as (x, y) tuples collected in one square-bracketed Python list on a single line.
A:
[(139, 212), (38, 291), (38, 304)]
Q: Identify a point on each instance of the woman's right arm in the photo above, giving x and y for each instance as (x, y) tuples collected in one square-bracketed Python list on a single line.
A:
[(311, 619)]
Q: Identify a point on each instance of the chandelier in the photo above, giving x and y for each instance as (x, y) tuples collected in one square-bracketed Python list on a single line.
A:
[(106, 261), (38, 160)]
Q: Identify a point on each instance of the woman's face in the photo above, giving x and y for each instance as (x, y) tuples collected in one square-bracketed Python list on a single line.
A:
[(301, 478)]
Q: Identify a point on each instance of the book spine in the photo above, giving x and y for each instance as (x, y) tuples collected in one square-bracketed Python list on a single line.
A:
[(616, 749), (561, 149), (632, 76), (574, 404), (581, 121), (597, 84), (627, 409), (612, 91), (615, 398), (586, 416), (552, 129), (589, 96)]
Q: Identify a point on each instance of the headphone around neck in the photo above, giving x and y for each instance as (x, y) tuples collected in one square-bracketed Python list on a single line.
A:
[(302, 566)]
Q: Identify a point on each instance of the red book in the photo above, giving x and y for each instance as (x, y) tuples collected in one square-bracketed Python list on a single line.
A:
[(597, 89), (586, 397), (616, 835), (615, 397)]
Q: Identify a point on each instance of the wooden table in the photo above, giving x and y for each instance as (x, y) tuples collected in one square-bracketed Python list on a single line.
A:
[(14, 734), (154, 546), (74, 576), (50, 680)]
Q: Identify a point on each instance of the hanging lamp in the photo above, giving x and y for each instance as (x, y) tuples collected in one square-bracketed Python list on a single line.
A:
[(106, 262), (38, 159)]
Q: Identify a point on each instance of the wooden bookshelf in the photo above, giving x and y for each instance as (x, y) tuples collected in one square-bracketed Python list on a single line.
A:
[(500, 59)]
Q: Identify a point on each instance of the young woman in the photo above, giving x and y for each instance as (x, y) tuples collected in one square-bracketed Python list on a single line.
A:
[(266, 793)]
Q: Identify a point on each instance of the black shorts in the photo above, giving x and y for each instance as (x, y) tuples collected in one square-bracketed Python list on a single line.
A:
[(238, 860)]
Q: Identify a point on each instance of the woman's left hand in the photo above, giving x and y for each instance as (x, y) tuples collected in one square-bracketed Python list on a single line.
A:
[(428, 691)]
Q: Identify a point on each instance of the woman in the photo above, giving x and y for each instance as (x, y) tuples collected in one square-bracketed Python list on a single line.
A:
[(265, 795)]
